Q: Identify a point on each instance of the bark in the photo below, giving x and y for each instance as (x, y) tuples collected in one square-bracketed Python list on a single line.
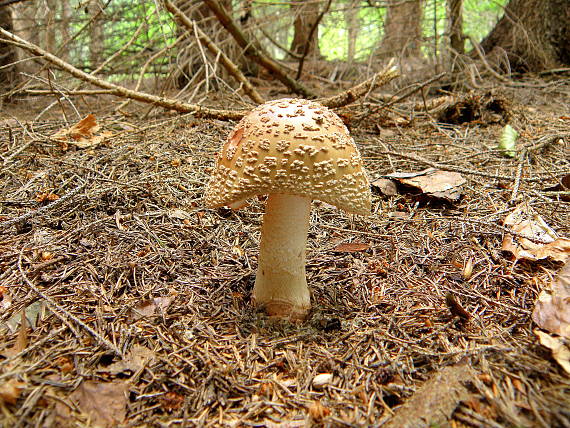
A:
[(353, 27), (534, 34), (402, 29), (455, 26), (96, 41), (8, 55), (306, 32), (50, 25), (65, 25)]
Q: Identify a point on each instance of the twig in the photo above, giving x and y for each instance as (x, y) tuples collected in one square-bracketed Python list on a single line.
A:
[(518, 176), (44, 209), (381, 78), (63, 314), (253, 50), (182, 107), (416, 88), (216, 51), (466, 170)]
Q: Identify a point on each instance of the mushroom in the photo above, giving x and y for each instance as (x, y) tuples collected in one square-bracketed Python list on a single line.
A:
[(294, 151)]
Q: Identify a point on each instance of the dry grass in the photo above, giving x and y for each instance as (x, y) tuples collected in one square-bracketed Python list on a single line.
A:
[(131, 259)]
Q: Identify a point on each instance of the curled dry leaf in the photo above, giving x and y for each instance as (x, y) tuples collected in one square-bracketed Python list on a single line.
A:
[(552, 309), (83, 134), (560, 352), (542, 242), (436, 183)]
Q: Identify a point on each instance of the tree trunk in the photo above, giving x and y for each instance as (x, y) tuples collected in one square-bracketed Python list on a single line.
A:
[(8, 55), (455, 26), (402, 29), (306, 34), (50, 26), (65, 31), (96, 36), (353, 27), (535, 34)]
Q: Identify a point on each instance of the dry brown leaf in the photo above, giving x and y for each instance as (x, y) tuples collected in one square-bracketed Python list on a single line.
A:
[(552, 309), (433, 182), (351, 247), (104, 402), (135, 360), (171, 401), (149, 308), (83, 134), (544, 243), (560, 352), (385, 186), (10, 391), (317, 411), (434, 402)]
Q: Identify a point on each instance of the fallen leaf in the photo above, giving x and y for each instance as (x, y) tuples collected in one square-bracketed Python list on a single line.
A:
[(351, 247), (148, 308), (82, 134), (433, 403), (432, 182), (559, 351), (10, 391), (171, 401), (34, 313), (563, 186), (385, 186), (104, 402), (552, 309), (5, 298), (508, 141), (179, 214), (542, 242), (317, 411), (134, 361)]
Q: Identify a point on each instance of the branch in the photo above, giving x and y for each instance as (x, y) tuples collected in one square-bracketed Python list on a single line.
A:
[(253, 50), (120, 91), (310, 38), (381, 78), (217, 52)]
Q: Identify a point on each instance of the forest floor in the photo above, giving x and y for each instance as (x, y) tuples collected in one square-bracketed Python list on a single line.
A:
[(135, 299)]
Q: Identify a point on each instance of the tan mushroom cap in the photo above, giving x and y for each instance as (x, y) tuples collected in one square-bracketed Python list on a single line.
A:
[(291, 146)]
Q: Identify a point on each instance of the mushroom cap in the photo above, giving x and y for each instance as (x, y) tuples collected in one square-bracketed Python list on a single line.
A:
[(291, 146)]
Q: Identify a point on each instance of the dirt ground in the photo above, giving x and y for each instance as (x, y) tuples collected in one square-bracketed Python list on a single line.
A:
[(136, 299)]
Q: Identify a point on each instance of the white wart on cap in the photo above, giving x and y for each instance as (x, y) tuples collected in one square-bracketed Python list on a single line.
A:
[(294, 151)]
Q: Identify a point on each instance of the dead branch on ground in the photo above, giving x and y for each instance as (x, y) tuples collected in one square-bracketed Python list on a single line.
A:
[(179, 106), (384, 76), (389, 73)]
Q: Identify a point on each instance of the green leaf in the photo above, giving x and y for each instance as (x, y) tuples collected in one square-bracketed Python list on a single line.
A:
[(508, 141)]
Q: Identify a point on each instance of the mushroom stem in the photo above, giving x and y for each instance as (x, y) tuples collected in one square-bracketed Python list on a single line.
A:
[(281, 285)]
